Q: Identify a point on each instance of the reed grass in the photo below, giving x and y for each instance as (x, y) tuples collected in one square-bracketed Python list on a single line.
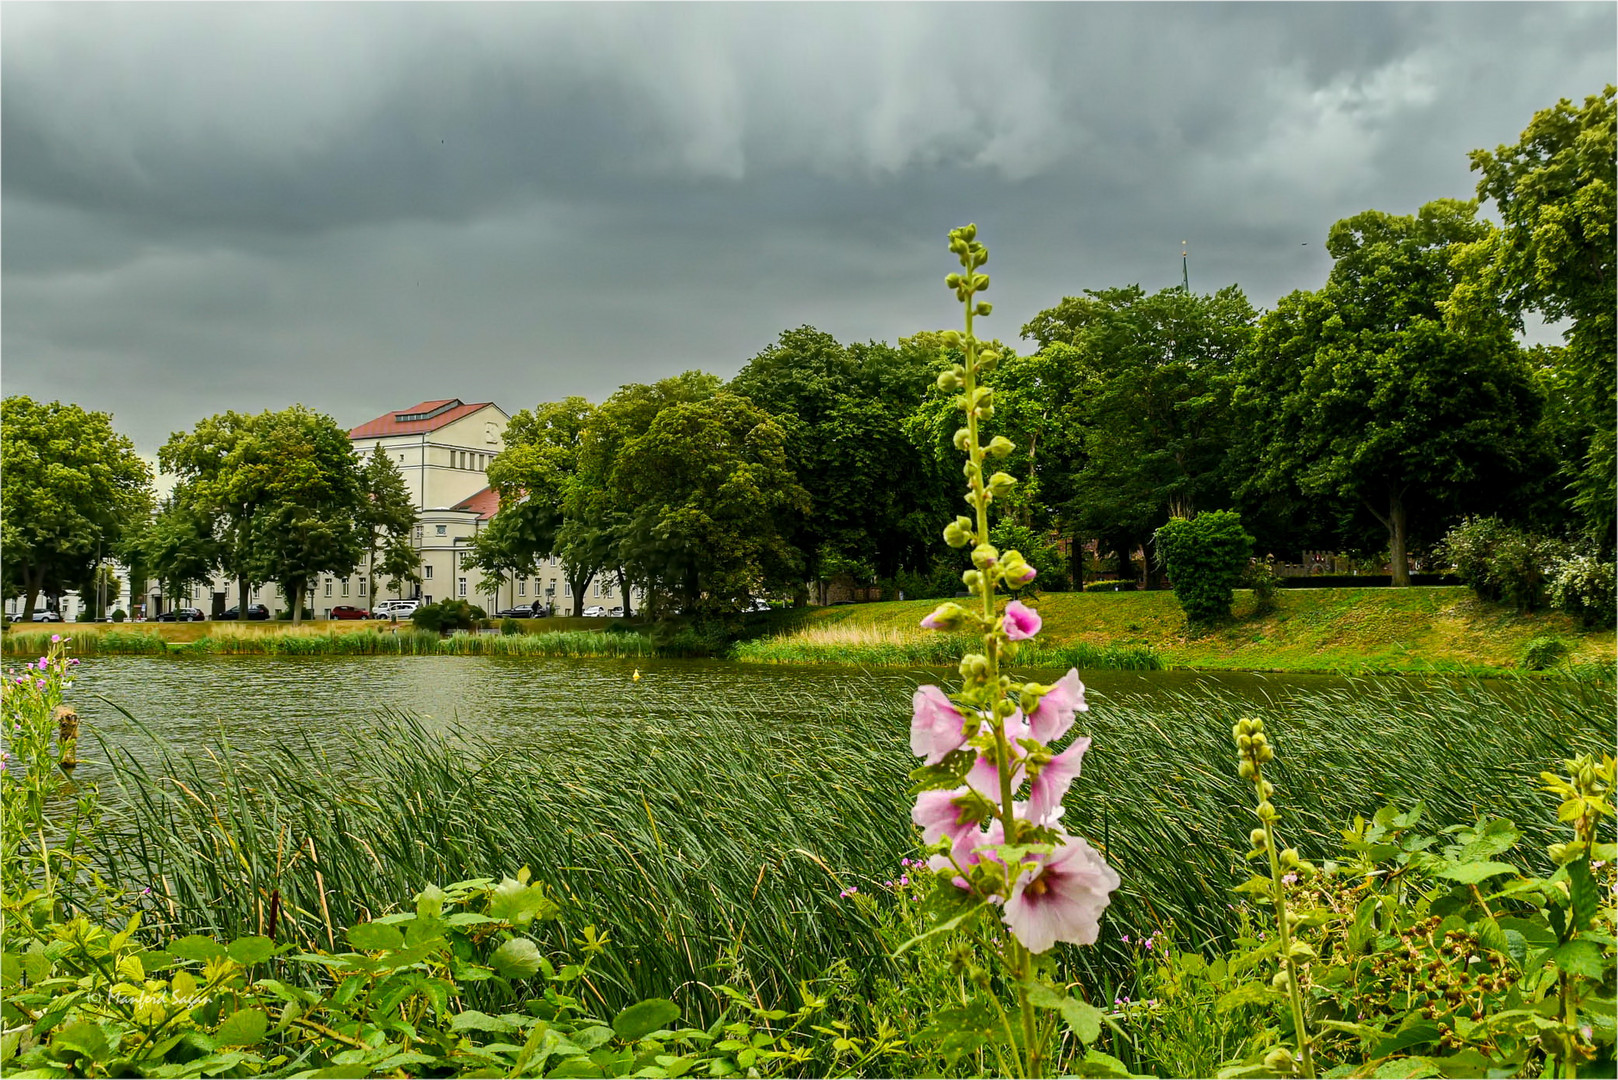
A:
[(722, 834), (104, 643), (885, 646)]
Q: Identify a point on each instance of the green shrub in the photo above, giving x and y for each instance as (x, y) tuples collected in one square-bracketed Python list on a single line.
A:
[(1110, 585), (1205, 557), (510, 627), (1584, 587), (118, 615), (1543, 652), (1501, 562), (1264, 582), (446, 616)]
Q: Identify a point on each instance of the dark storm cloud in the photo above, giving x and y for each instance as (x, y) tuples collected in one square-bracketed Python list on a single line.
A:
[(362, 206)]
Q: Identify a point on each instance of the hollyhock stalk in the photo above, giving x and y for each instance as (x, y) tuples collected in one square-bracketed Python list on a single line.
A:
[(1049, 886)]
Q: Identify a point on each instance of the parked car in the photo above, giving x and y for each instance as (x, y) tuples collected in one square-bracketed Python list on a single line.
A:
[(395, 609), (255, 611), (531, 611), (184, 614), (615, 613), (343, 611), (597, 612), (47, 616)]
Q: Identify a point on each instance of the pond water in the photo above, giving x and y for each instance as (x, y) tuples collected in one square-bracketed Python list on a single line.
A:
[(256, 703)]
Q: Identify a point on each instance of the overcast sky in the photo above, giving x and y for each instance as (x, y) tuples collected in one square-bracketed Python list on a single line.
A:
[(358, 207)]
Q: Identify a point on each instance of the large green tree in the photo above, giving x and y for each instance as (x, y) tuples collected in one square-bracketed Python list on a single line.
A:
[(711, 489), (842, 409), (601, 519), (389, 516), (534, 476), (222, 466), (1363, 391), (1149, 377), (1554, 254), (70, 488), (312, 504), (178, 547)]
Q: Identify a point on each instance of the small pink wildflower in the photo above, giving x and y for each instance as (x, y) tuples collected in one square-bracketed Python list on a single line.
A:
[(1289, 878), (1021, 622), (55, 638)]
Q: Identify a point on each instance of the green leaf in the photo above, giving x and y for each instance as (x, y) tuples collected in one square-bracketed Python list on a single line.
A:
[(1105, 1066), (516, 959), (591, 1037), (1083, 1019), (375, 936), (1582, 892), (85, 1038), (1251, 993), (430, 902), (1473, 872), (473, 1020), (1414, 1034), (251, 950), (244, 1027), (519, 904), (576, 1067), (1579, 957), (196, 947), (645, 1017), (1406, 1069)]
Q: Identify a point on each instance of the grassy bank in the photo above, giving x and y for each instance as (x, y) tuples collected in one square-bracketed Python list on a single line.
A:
[(367, 641), (722, 838), (1346, 631)]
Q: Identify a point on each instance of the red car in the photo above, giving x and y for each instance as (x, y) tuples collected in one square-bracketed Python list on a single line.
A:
[(346, 612)]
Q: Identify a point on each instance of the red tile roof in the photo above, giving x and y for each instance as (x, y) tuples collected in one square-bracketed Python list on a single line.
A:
[(485, 502), (428, 416)]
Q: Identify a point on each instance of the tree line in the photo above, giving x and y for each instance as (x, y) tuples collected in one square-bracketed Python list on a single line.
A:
[(1368, 415)]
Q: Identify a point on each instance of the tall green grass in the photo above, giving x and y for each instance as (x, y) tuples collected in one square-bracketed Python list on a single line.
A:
[(935, 650), (722, 833), (110, 642)]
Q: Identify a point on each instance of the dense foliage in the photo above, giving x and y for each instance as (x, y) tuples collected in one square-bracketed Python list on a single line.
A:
[(71, 488), (1207, 558)]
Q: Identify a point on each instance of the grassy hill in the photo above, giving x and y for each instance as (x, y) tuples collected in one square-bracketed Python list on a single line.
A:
[(1329, 630)]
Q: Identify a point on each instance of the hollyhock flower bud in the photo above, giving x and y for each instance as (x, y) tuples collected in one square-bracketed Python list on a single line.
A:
[(1049, 788), (963, 439), (985, 556), (1061, 900), (1054, 714), (1001, 483), (947, 616), (1015, 570), (999, 446), (1021, 621), (955, 535), (936, 726)]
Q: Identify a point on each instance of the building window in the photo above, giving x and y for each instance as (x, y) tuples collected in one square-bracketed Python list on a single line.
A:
[(440, 530), (462, 583), (428, 598), (328, 586), (362, 586), (418, 534), (427, 571), (345, 586), (567, 589), (522, 586), (401, 457)]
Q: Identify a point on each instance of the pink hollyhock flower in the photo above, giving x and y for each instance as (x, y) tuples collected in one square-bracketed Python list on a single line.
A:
[(1063, 899), (984, 778), (1021, 621), (936, 725), (1050, 786), (1054, 714), (966, 854), (939, 816)]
